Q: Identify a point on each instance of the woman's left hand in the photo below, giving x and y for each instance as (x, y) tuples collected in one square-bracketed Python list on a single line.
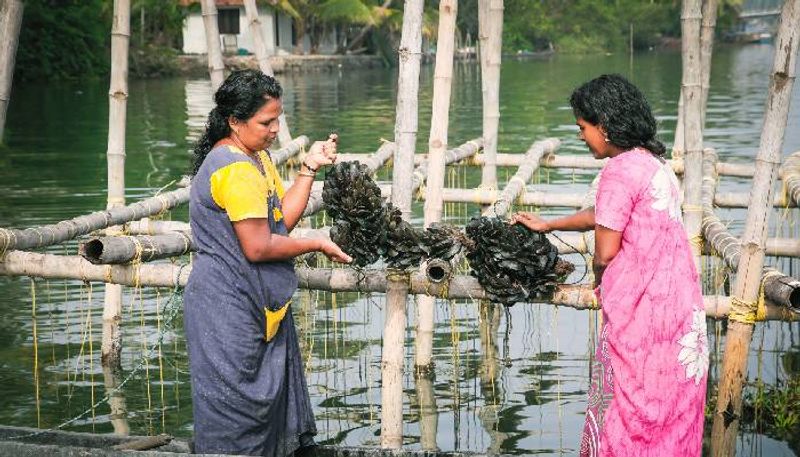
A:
[(322, 153)]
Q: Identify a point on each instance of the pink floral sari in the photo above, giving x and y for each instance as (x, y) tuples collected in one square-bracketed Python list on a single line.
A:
[(648, 379)]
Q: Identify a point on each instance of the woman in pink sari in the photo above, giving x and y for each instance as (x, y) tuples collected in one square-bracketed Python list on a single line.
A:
[(648, 381)]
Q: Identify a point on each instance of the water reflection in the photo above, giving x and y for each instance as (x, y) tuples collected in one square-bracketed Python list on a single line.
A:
[(504, 383)]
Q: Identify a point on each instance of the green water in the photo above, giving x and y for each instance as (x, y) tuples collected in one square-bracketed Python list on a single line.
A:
[(524, 393)]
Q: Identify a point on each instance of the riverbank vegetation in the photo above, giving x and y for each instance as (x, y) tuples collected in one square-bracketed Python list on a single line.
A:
[(68, 39)]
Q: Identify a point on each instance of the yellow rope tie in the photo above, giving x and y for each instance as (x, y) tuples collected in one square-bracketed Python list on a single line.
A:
[(7, 239), (480, 189), (692, 208), (399, 276), (697, 241), (474, 143), (107, 274), (742, 311)]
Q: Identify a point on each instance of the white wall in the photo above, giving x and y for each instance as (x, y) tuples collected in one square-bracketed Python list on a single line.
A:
[(194, 34)]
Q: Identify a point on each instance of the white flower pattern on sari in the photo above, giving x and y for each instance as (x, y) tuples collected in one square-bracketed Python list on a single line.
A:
[(694, 348), (664, 188)]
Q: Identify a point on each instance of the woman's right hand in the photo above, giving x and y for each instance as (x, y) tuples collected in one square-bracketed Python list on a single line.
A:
[(334, 252), (531, 221)]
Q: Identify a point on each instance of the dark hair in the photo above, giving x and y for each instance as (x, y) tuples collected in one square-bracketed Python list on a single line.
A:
[(242, 94), (618, 106)]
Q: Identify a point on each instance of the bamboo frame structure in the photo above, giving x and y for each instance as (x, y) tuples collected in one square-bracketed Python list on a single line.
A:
[(176, 240), (405, 134), (216, 67), (574, 161), (262, 57), (48, 235), (458, 287), (491, 35), (707, 28), (791, 177), (778, 287), (435, 167), (10, 22), (692, 124), (516, 185), (111, 347), (748, 274)]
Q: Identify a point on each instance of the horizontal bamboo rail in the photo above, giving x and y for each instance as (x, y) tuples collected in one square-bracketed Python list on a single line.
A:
[(143, 248), (574, 200), (33, 264), (516, 184), (779, 288), (47, 235), (148, 226), (575, 161), (791, 173)]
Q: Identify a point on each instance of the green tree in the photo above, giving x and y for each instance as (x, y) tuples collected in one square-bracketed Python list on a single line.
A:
[(64, 39)]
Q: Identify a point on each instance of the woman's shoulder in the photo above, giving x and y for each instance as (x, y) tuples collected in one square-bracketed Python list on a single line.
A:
[(221, 156)]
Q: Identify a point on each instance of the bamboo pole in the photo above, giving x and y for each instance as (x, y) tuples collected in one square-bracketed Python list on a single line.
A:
[(692, 124), (791, 177), (462, 152), (779, 288), (262, 57), (749, 271), (10, 22), (111, 347), (575, 199), (516, 185), (573, 161), (437, 147), (34, 264), (66, 230), (709, 24), (148, 226), (216, 67), (154, 246), (491, 59), (126, 249), (405, 134)]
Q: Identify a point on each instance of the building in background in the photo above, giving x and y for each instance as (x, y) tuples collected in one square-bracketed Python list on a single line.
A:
[(234, 31)]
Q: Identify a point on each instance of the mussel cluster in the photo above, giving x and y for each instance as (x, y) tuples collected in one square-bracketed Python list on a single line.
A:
[(512, 263), (360, 215)]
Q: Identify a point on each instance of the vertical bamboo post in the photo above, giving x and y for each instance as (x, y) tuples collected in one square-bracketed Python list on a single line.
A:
[(437, 147), (749, 271), (397, 288), (216, 68), (707, 28), (429, 414), (692, 125), (111, 345), (493, 30), (10, 21), (262, 57)]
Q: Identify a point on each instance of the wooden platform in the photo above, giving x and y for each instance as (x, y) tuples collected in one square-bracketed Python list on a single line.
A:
[(31, 442)]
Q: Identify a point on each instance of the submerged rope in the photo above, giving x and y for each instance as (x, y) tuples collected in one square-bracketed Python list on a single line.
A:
[(171, 311)]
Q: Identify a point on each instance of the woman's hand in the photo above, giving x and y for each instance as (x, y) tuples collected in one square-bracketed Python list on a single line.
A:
[(334, 252), (322, 153), (531, 221)]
